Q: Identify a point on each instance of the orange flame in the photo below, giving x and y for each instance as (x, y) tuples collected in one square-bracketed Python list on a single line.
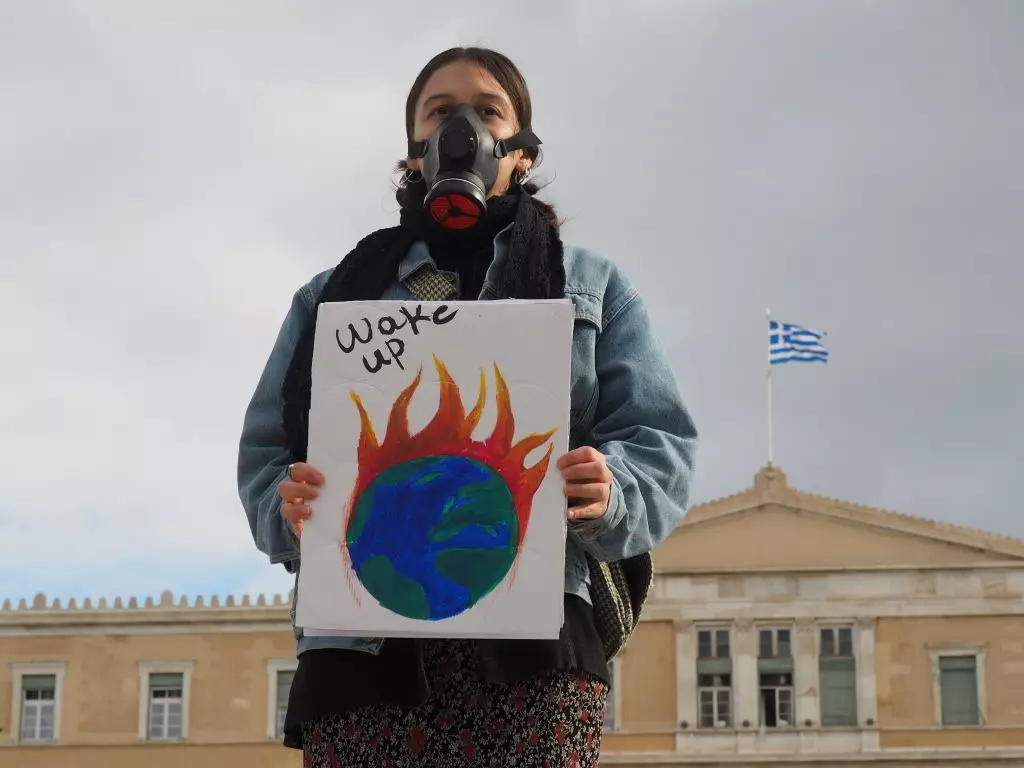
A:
[(449, 433)]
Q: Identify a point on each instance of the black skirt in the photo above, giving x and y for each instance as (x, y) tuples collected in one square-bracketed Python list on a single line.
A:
[(331, 682)]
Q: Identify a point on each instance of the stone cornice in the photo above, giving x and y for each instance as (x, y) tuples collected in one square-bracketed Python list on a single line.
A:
[(42, 612), (788, 570)]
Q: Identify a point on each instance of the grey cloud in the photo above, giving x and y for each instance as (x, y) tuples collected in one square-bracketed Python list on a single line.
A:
[(172, 175)]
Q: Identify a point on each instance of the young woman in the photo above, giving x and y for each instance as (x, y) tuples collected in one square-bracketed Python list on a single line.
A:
[(399, 701)]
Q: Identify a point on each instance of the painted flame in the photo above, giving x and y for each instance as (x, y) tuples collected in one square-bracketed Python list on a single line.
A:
[(450, 433)]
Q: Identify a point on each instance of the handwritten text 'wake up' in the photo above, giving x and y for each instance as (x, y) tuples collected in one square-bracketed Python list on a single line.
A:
[(391, 346)]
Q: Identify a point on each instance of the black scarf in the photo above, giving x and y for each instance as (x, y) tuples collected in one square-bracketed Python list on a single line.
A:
[(467, 253), (534, 270)]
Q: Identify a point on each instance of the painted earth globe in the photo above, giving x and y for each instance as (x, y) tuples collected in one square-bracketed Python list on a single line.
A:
[(430, 537)]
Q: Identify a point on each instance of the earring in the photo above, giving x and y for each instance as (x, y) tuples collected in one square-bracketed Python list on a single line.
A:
[(524, 176), (408, 177)]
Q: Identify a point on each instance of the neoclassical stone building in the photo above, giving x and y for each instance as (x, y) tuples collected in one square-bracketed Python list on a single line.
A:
[(784, 628), (800, 630)]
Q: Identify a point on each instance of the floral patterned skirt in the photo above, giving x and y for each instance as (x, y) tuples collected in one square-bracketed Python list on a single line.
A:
[(552, 721)]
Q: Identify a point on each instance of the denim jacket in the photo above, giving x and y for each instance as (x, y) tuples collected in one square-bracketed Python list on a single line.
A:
[(624, 401)]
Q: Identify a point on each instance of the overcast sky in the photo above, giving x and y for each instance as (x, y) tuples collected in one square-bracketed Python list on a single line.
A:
[(171, 172)]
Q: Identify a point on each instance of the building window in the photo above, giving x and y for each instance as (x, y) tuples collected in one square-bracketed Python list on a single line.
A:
[(714, 677), (776, 700), (714, 696), (36, 705), (280, 673), (958, 681), (609, 714), (837, 671), (958, 674), (166, 696), (713, 644), (284, 687), (837, 642), (164, 688), (775, 644), (775, 676), (612, 706)]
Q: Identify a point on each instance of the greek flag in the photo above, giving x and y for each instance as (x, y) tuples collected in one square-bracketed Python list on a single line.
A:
[(795, 344)]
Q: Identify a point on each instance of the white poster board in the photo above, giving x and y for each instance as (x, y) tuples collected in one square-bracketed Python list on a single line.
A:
[(437, 426)]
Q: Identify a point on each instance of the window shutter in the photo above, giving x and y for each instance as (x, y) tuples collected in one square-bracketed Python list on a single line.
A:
[(958, 682), (838, 680), (780, 666), (165, 680), (714, 666), (284, 686), (39, 682)]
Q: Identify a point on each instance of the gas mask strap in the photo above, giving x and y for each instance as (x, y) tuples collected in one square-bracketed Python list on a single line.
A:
[(525, 139), (417, 149)]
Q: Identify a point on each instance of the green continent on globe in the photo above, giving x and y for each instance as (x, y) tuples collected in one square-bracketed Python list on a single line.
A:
[(429, 538)]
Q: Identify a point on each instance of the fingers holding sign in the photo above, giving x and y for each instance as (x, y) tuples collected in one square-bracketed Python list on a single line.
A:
[(588, 483), (302, 485)]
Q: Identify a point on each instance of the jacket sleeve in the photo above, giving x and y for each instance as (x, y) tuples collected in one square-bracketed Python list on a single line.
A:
[(646, 435), (263, 456)]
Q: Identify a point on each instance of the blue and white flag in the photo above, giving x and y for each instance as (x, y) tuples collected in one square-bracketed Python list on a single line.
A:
[(795, 344)]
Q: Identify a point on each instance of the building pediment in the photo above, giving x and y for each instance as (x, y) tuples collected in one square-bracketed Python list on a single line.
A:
[(774, 526)]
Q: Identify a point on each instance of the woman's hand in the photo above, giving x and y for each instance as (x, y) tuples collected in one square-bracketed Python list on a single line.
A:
[(588, 483), (303, 484)]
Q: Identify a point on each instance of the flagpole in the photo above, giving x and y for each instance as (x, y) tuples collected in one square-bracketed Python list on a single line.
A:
[(768, 314)]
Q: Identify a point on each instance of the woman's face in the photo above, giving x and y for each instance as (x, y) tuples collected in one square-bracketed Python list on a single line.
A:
[(463, 82)]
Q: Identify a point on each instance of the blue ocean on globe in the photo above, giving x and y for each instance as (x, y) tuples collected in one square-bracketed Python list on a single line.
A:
[(429, 538)]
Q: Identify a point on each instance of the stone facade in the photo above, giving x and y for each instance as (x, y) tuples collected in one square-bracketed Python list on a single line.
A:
[(783, 628), (102, 659), (905, 594)]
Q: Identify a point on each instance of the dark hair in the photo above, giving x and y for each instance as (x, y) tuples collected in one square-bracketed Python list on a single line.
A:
[(501, 68)]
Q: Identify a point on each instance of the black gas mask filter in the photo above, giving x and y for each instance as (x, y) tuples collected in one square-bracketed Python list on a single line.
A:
[(460, 164)]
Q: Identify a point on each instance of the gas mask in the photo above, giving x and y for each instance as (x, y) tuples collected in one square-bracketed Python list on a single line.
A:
[(460, 164)]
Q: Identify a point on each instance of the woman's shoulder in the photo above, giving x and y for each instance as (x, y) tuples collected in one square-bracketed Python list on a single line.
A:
[(596, 283), (311, 291)]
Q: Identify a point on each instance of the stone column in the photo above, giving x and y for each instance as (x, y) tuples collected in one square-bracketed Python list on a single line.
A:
[(807, 683), (746, 685), (867, 684), (686, 674), (806, 674)]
